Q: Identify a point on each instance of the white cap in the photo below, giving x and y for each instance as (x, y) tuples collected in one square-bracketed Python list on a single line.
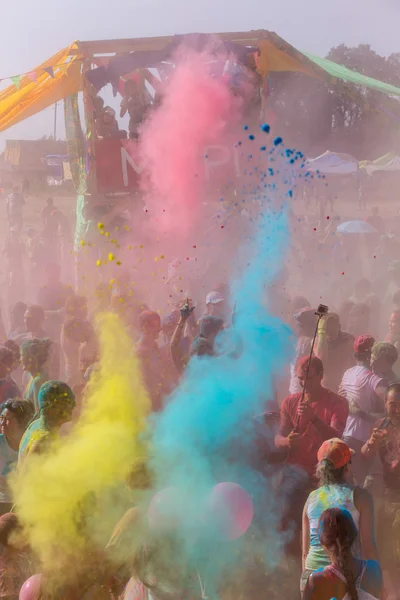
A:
[(214, 298)]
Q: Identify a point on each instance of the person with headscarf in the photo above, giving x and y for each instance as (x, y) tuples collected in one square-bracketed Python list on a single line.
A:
[(56, 404), (35, 355)]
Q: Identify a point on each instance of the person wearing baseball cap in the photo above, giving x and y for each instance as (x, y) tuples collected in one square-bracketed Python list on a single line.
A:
[(305, 422), (336, 490), (365, 393)]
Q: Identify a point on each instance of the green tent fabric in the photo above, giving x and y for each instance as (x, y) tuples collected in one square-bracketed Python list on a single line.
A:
[(346, 74)]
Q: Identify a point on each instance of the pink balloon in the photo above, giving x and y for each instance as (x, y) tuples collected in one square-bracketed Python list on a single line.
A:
[(31, 588), (231, 509), (163, 511)]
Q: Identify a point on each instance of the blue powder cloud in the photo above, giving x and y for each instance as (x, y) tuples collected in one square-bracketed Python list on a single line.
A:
[(207, 432)]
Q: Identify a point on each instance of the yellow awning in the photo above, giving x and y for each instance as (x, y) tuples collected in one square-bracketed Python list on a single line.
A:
[(34, 96), (273, 58)]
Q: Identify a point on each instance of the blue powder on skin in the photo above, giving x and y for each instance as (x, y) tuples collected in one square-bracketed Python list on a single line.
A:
[(265, 128), (277, 141), (251, 137), (245, 127)]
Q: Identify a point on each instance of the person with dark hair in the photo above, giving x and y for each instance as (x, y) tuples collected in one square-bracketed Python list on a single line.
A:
[(133, 103), (8, 387), (16, 354), (15, 204), (34, 320), (98, 106), (17, 322), (56, 403), (383, 358), (385, 442), (393, 337), (80, 345), (169, 324), (15, 567), (156, 368), (13, 252), (299, 303), (304, 424), (396, 301), (365, 393), (203, 345), (347, 577), (362, 297), (16, 367), (335, 348), (106, 125), (76, 307), (35, 355), (47, 210), (53, 294), (14, 419), (359, 319), (335, 489)]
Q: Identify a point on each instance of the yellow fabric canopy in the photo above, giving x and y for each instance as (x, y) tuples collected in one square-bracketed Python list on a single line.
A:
[(34, 96), (273, 58)]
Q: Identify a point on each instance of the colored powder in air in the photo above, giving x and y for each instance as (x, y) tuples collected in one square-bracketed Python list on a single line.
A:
[(208, 434), (196, 108), (70, 498)]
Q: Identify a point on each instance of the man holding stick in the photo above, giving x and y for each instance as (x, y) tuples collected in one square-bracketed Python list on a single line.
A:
[(307, 419)]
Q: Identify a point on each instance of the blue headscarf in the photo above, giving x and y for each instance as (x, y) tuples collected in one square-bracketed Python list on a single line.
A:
[(54, 393)]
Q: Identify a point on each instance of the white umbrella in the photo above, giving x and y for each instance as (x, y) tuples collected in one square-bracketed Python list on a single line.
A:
[(356, 227)]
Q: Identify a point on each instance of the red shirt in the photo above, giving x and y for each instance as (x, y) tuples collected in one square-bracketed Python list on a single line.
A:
[(332, 409)]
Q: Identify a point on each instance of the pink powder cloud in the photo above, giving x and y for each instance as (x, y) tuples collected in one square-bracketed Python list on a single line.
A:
[(196, 111)]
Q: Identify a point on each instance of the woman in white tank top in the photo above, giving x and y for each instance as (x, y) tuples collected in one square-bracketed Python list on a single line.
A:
[(347, 577), (333, 472)]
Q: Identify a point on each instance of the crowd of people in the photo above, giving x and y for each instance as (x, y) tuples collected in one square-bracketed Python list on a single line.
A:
[(338, 437), (331, 429)]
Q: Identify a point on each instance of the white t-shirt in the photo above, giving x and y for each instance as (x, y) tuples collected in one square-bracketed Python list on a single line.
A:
[(359, 384)]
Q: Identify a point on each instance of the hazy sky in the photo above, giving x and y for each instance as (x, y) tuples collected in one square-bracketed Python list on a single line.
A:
[(33, 30)]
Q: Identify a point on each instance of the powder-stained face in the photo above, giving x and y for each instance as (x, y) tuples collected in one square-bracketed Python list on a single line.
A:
[(10, 427), (313, 380), (28, 360), (393, 406), (59, 413)]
